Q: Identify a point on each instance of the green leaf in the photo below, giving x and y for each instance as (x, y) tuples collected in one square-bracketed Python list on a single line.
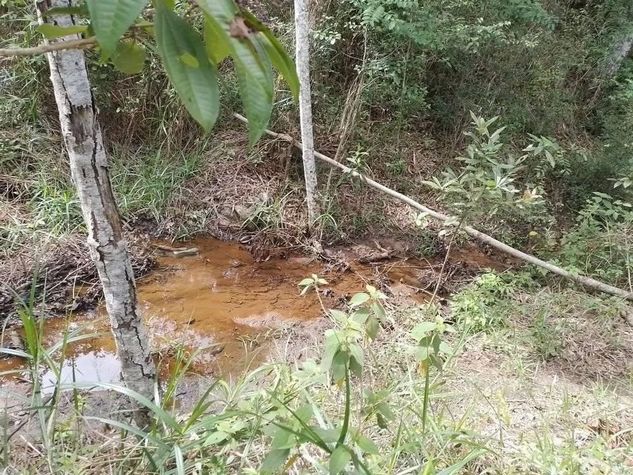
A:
[(180, 460), (445, 348), (360, 316), (189, 60), (254, 73), (12, 352), (276, 52), (53, 31), (197, 87), (227, 33), (339, 366), (216, 41), (79, 10), (331, 346), (282, 438), (422, 329), (358, 299), (216, 437), (378, 310), (355, 367), (274, 460), (366, 445), (384, 409), (110, 19), (339, 459), (423, 353), (329, 436), (129, 57), (356, 352), (304, 413), (338, 316), (372, 328)]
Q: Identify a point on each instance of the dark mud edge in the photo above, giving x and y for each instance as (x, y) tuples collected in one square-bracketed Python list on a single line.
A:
[(61, 277)]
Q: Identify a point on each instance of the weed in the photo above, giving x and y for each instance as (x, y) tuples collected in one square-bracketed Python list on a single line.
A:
[(146, 181), (55, 206), (600, 243), (267, 215), (548, 337), (483, 304), (397, 167), (40, 357)]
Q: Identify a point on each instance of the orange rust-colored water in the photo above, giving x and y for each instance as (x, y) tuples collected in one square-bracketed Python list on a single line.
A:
[(216, 303)]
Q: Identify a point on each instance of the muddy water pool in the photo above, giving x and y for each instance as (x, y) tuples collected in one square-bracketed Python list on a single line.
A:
[(221, 304)]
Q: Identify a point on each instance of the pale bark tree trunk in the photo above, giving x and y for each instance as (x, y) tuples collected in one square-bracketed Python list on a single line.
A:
[(302, 49), (621, 51), (90, 173)]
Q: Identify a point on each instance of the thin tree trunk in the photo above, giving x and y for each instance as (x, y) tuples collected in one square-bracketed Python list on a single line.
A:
[(302, 48), (90, 173)]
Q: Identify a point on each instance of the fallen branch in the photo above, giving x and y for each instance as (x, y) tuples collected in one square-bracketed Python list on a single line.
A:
[(482, 237), (178, 251), (81, 43)]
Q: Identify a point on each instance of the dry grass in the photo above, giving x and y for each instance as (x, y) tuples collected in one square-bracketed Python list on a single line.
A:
[(61, 270)]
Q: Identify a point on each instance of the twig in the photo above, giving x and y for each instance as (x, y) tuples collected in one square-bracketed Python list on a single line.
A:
[(482, 237), (446, 257), (81, 43)]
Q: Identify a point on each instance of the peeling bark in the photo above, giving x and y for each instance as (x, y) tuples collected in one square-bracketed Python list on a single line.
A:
[(90, 173), (302, 49)]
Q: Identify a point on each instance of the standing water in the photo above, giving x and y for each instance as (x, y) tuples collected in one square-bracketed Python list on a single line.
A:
[(217, 304)]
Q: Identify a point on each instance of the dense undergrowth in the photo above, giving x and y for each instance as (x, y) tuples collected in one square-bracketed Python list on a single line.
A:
[(510, 115)]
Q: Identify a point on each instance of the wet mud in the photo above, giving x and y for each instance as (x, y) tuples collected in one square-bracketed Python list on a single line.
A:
[(221, 306)]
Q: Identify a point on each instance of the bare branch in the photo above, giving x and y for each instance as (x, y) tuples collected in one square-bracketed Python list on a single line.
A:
[(81, 43)]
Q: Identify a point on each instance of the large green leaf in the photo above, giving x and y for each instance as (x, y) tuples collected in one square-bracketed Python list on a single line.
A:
[(227, 33), (339, 459), (129, 57), (255, 79), (195, 81), (110, 19), (278, 55), (215, 41), (274, 460)]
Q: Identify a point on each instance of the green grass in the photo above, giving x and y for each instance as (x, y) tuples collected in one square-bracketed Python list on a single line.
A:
[(146, 181)]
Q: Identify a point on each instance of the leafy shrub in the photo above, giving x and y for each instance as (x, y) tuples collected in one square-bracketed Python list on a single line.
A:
[(600, 244), (547, 336), (483, 304), (613, 158), (487, 189)]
